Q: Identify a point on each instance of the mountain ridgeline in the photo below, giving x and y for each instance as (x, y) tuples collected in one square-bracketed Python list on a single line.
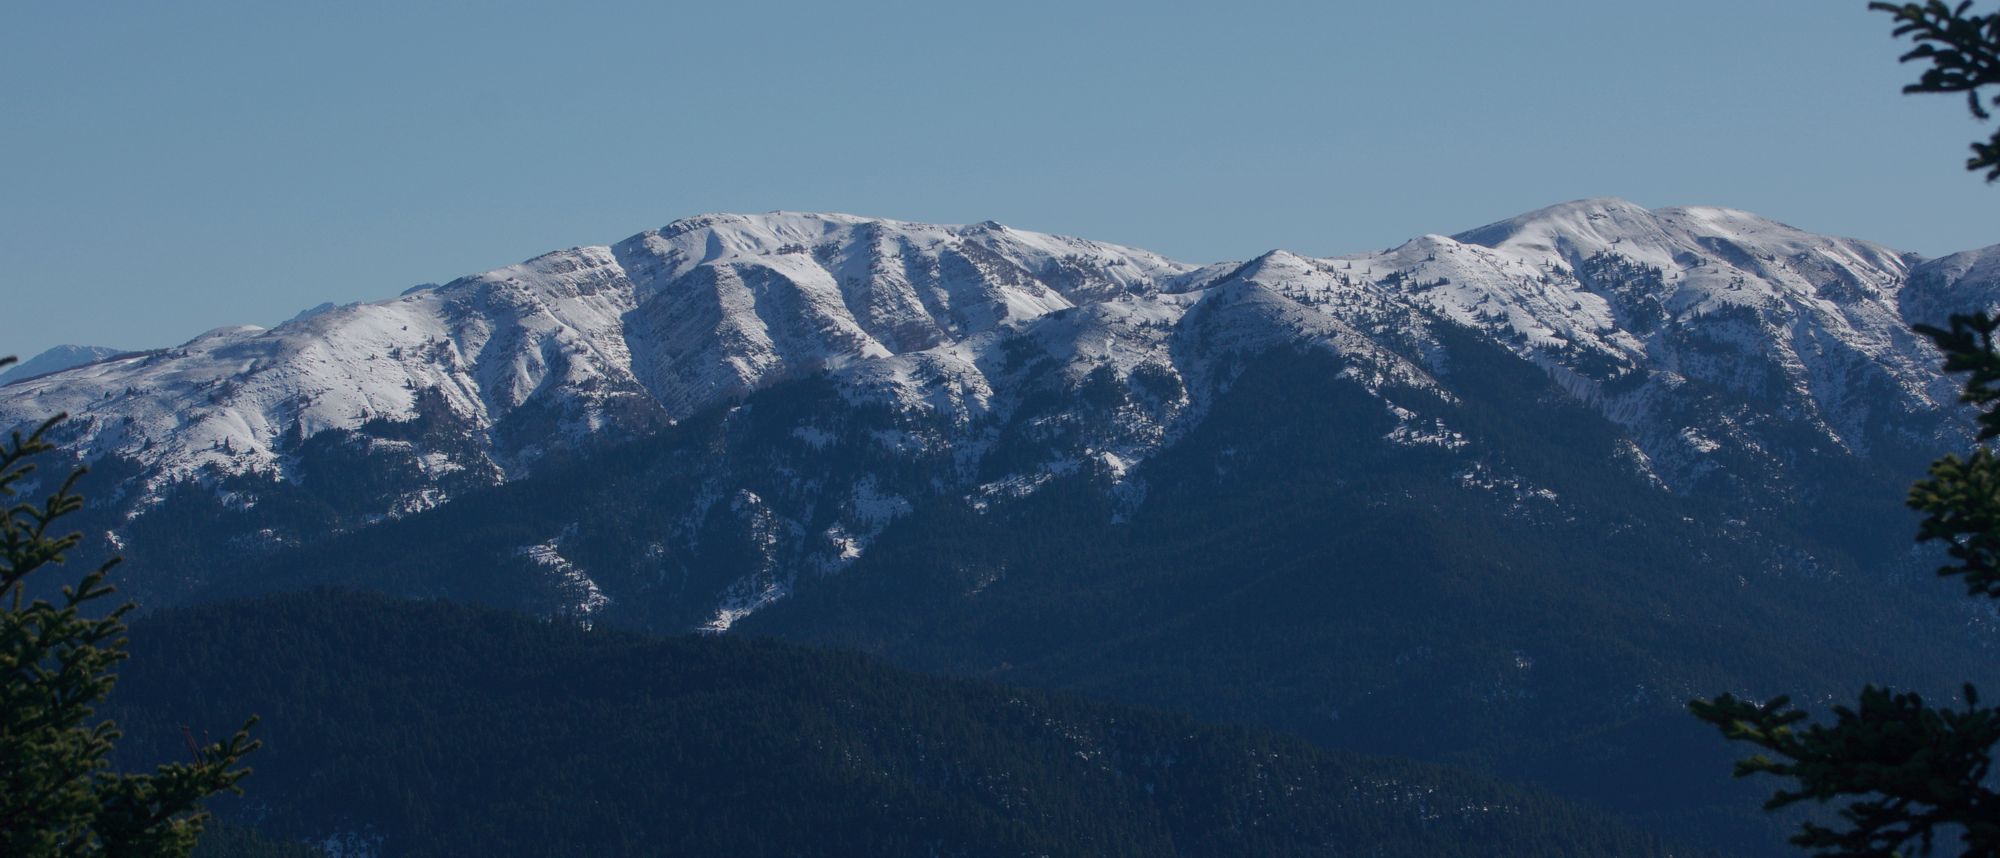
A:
[(1724, 349), (1505, 499), (56, 360)]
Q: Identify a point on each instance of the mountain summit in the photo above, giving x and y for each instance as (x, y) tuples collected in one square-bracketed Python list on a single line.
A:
[(592, 341), (1506, 498), (582, 343), (55, 360), (1714, 340)]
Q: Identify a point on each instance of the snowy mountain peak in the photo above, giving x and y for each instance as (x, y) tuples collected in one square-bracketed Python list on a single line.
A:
[(1602, 217), (1276, 266), (992, 361), (1959, 283), (1619, 303), (55, 360), (1982, 264), (1688, 239), (569, 345)]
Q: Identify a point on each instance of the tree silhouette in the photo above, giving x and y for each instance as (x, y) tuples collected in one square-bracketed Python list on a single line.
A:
[(1964, 53), (1912, 770), (57, 796)]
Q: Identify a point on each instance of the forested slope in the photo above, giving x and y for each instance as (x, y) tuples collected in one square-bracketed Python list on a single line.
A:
[(426, 728)]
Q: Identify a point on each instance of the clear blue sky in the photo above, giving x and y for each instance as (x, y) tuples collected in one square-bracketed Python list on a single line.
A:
[(166, 168)]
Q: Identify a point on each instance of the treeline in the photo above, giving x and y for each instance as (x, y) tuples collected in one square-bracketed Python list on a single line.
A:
[(427, 728)]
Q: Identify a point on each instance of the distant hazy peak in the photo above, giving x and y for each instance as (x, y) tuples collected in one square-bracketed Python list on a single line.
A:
[(56, 360)]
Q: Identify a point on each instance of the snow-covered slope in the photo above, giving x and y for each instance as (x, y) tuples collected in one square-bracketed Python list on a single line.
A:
[(56, 360), (622, 338), (1960, 283), (1724, 345), (1645, 313), (580, 343), (1714, 295)]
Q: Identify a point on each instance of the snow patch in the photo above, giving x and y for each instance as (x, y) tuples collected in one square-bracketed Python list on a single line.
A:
[(583, 598), (1699, 442), (1417, 432), (814, 436)]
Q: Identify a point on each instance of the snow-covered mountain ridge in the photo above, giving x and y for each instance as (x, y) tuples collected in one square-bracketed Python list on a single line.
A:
[(1623, 306), (582, 341), (55, 360), (1493, 495)]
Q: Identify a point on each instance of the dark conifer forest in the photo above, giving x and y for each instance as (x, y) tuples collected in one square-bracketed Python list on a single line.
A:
[(429, 728), (1285, 571)]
